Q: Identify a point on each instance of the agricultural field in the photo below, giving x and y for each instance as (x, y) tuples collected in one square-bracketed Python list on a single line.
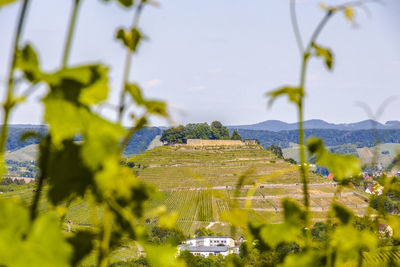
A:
[(185, 167)]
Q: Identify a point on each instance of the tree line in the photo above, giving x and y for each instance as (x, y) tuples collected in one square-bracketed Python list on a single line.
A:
[(215, 131)]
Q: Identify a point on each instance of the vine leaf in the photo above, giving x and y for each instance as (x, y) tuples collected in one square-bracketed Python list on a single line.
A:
[(325, 53), (27, 61), (83, 243), (349, 13), (344, 214), (6, 2), (152, 106), (125, 3), (342, 166), (130, 38), (67, 174), (293, 93), (163, 256), (42, 243)]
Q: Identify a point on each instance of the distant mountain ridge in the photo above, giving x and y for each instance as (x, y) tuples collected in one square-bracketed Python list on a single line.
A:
[(277, 125)]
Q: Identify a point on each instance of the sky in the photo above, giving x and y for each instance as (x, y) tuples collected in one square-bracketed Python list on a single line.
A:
[(216, 59)]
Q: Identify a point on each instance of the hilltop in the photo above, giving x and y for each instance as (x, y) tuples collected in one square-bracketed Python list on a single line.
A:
[(182, 166)]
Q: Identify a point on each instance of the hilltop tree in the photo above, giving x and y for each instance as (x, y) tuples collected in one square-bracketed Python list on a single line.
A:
[(174, 135), (276, 150), (218, 131), (236, 136)]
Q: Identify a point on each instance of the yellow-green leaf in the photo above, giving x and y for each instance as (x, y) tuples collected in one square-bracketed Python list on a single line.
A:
[(349, 13), (294, 94), (130, 38), (325, 53), (6, 2), (27, 61), (342, 166)]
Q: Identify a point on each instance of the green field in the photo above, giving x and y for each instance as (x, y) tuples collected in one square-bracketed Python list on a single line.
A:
[(184, 167), (179, 172)]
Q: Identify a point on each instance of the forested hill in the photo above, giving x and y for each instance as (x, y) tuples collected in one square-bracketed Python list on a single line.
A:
[(137, 144), (331, 137)]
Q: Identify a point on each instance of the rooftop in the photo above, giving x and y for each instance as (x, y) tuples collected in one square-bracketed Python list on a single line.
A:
[(204, 248)]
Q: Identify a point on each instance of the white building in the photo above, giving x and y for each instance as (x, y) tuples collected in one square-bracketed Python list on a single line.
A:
[(210, 245), (210, 241)]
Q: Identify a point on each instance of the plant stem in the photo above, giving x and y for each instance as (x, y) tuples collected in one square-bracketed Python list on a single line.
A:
[(128, 63), (71, 29), (9, 103), (295, 26), (105, 241)]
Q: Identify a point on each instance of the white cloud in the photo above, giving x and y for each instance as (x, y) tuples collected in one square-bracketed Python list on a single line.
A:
[(152, 83)]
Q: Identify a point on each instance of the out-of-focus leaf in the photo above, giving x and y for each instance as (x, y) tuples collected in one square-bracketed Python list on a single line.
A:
[(130, 38), (102, 140), (293, 213), (325, 53), (82, 242), (349, 13), (42, 244), (152, 106), (348, 242), (294, 94), (156, 107), (125, 3), (344, 214), (164, 255), (274, 234), (98, 90), (80, 85), (63, 118), (6, 2), (67, 174), (27, 61), (342, 166), (308, 258), (323, 6), (135, 92)]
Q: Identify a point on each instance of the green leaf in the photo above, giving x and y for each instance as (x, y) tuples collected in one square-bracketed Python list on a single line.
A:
[(135, 92), (344, 214), (6, 2), (102, 140), (39, 244), (125, 3), (130, 38), (80, 85), (63, 118), (152, 106), (83, 243), (66, 172), (325, 53), (97, 91), (275, 234), (342, 166), (27, 61), (293, 213), (349, 242), (294, 94), (162, 256), (156, 107), (307, 258)]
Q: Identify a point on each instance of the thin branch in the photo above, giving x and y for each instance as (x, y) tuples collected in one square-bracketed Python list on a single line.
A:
[(8, 104), (71, 29), (128, 63), (295, 25)]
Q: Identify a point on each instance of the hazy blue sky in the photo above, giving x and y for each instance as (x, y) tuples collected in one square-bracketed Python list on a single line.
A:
[(215, 59)]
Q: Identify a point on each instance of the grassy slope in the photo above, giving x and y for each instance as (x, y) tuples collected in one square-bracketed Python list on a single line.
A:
[(172, 167)]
